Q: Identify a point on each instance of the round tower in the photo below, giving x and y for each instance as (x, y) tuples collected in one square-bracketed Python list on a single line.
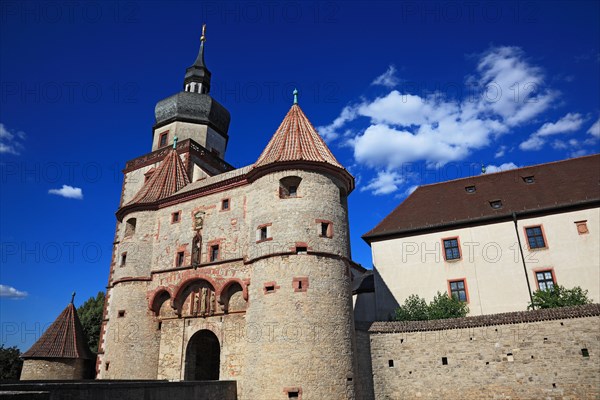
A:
[(299, 333)]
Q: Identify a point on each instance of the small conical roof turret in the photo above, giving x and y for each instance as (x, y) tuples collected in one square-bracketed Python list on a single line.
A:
[(63, 339)]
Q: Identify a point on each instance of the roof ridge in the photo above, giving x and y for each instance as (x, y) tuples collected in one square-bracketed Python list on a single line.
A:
[(508, 170)]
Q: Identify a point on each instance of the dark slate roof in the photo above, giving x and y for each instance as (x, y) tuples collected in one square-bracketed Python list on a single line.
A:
[(195, 108), (519, 317), (168, 178), (296, 140), (365, 283), (444, 205), (63, 339)]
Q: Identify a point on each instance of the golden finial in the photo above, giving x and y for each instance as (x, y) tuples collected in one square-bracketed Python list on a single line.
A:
[(203, 37)]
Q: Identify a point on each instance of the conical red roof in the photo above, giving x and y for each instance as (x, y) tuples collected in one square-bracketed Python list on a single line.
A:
[(63, 339), (296, 140), (169, 177)]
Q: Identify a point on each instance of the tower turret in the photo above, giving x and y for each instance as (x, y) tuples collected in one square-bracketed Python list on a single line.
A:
[(193, 113)]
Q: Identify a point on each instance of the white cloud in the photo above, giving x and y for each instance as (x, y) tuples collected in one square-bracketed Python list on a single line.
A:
[(69, 192), (595, 129), (11, 293), (410, 190), (328, 132), (503, 167), (500, 152), (11, 142), (567, 124), (387, 79), (384, 183)]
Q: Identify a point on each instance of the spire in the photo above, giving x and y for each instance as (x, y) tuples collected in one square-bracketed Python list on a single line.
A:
[(197, 76), (295, 92), (73, 297)]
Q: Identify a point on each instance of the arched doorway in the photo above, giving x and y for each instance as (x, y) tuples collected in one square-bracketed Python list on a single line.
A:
[(202, 357)]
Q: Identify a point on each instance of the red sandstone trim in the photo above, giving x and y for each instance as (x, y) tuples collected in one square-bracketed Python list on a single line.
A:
[(444, 249), (543, 236), (459, 280), (582, 228), (545, 269), (300, 284), (329, 228), (131, 279), (228, 199), (272, 284)]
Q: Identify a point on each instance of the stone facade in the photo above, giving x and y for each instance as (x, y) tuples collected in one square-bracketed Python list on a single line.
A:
[(511, 356), (233, 274), (57, 369)]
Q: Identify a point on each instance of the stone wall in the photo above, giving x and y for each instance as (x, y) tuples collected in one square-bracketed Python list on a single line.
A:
[(59, 369), (102, 390), (544, 354)]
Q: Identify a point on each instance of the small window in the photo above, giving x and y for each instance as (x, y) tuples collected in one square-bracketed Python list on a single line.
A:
[(163, 139), (451, 249), (444, 360), (585, 353), (180, 258), (529, 179), (270, 287), (293, 394), (470, 189), (130, 227), (225, 204), (300, 284), (176, 217), (545, 279), (535, 237), (301, 250), (159, 326), (214, 252), (123, 259), (496, 204), (121, 313), (582, 228), (106, 365), (263, 233), (288, 187), (458, 290)]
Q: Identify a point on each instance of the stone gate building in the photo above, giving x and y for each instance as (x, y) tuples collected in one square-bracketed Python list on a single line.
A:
[(232, 274)]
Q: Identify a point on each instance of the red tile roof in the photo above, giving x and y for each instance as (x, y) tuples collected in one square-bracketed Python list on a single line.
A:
[(168, 178), (63, 339), (296, 140), (445, 205)]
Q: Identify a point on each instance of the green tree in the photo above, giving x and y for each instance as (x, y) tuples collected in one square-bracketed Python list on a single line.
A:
[(559, 296), (10, 363), (443, 306), (414, 309), (90, 315)]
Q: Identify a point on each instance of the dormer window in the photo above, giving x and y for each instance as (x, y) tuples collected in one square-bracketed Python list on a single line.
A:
[(528, 179), (496, 204), (470, 189)]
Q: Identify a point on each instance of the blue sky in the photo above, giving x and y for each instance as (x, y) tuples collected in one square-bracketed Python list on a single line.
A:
[(405, 93)]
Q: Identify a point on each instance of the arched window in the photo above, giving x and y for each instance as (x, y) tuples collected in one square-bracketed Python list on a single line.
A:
[(130, 227), (288, 187)]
